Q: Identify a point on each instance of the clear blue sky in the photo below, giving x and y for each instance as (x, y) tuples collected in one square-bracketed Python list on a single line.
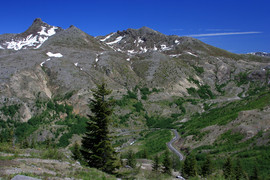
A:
[(239, 26)]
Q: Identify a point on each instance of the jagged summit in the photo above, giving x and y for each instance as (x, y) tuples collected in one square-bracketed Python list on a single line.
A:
[(143, 40), (32, 38), (39, 27), (38, 20)]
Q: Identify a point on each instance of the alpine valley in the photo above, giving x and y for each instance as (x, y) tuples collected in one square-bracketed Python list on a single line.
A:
[(219, 102)]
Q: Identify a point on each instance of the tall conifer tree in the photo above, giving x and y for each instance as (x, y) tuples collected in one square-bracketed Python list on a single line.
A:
[(155, 165), (167, 164), (96, 148), (228, 169), (239, 174), (207, 167), (190, 166)]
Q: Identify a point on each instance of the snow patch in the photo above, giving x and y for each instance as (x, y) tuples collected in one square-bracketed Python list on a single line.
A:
[(1, 47), (164, 47), (41, 41), (107, 37), (54, 55), (144, 50), (96, 57), (192, 54), (176, 42), (128, 59), (140, 40), (132, 143), (17, 45), (131, 51), (50, 32), (41, 64), (119, 50), (155, 48), (76, 64), (28, 41), (116, 40), (175, 55)]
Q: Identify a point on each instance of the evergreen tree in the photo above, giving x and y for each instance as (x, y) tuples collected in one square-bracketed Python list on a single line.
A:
[(96, 148), (155, 165), (255, 173), (76, 152), (33, 143), (167, 164), (131, 161), (48, 142), (207, 167), (228, 169), (176, 164), (145, 154), (190, 166), (238, 170)]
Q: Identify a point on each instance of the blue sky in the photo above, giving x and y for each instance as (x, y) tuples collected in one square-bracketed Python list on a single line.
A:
[(239, 26)]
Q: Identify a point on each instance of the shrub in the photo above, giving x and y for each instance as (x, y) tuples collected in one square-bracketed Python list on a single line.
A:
[(53, 153)]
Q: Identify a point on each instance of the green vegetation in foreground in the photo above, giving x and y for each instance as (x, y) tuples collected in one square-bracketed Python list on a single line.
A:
[(84, 173)]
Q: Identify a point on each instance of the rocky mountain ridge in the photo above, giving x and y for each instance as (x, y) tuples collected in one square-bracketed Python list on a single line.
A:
[(68, 60)]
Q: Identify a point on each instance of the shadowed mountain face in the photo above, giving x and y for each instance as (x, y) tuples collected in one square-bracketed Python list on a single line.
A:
[(48, 60)]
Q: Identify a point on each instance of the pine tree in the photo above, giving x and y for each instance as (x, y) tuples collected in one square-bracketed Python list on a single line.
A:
[(131, 161), (96, 148), (76, 152), (255, 173), (176, 163), (190, 166), (145, 154), (207, 168), (228, 169), (33, 143), (238, 170), (167, 164), (155, 165)]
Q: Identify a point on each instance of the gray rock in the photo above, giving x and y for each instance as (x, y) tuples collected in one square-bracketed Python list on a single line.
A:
[(22, 177)]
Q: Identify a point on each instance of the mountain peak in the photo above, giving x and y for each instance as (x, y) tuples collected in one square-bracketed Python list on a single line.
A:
[(147, 30), (37, 23), (38, 20), (32, 38)]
